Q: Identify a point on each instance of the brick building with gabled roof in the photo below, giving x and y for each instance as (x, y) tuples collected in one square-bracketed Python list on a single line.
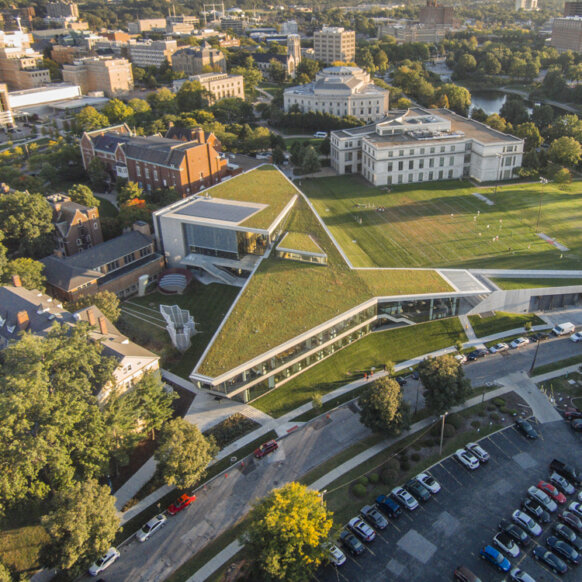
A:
[(157, 162)]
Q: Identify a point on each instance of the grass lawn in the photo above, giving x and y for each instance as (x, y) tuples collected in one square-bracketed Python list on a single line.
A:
[(527, 283), (374, 350), (484, 326), (539, 370), (107, 209), (142, 322), (442, 224), (314, 141)]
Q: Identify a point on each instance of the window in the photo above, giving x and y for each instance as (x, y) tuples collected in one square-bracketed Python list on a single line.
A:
[(411, 152), (400, 179), (410, 178), (128, 259), (432, 150), (440, 174), (450, 174), (421, 151), (431, 163), (411, 164), (420, 176), (79, 242), (441, 162), (145, 252), (420, 164), (400, 165), (95, 225), (401, 152), (137, 170), (430, 176), (452, 161), (442, 149), (389, 166)]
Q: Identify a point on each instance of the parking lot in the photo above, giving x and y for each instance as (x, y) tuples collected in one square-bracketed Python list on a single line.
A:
[(450, 529)]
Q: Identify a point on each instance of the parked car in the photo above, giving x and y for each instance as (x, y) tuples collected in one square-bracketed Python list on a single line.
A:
[(564, 329), (352, 543), (463, 574), (524, 520), (576, 424), (429, 482), (566, 533), (562, 484), (515, 531), (572, 413), (570, 472), (576, 508), (563, 549), (467, 459), (526, 428), (536, 510), (506, 544), (358, 526), (476, 354), (496, 558), (320, 134), (461, 358), (418, 490), (336, 556), (539, 336), (519, 342), (404, 498), (181, 503), (401, 380), (571, 520), (266, 448), (542, 498), (374, 517), (104, 561), (520, 576), (552, 561), (576, 337), (500, 347), (478, 451), (151, 527), (388, 506), (550, 490)]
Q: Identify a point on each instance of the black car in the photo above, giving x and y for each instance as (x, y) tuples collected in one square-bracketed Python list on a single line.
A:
[(570, 472), (352, 543), (418, 490), (571, 520), (536, 511), (572, 413), (552, 561), (576, 424), (563, 549), (401, 380), (373, 517), (567, 533), (388, 506), (516, 532), (540, 336), (525, 428), (476, 354)]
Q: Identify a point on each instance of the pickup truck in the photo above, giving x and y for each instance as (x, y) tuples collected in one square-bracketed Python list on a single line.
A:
[(570, 472), (388, 506)]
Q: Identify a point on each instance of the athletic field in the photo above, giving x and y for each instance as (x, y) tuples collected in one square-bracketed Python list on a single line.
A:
[(443, 224)]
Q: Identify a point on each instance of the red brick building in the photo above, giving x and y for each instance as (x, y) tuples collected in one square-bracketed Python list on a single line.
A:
[(157, 162)]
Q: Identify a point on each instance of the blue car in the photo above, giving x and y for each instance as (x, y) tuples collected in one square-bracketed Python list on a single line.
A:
[(494, 556)]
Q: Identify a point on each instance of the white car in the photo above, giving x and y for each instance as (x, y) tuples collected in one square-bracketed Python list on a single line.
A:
[(576, 508), (104, 562), (576, 337), (467, 459), (461, 358), (525, 521), (519, 342), (543, 498), (520, 576), (151, 527), (404, 498), (504, 542), (478, 451), (500, 347), (429, 482), (336, 556)]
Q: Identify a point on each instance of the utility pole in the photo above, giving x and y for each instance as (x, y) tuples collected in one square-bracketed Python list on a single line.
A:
[(442, 433), (543, 181)]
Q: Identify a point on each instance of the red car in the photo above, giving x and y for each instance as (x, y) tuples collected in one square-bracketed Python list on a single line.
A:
[(266, 448), (572, 413), (181, 503), (552, 492)]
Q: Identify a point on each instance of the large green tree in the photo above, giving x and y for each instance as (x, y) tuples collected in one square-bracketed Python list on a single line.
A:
[(566, 151), (286, 532), (444, 383), (106, 301), (89, 119), (117, 111), (531, 134), (29, 271), (458, 97), (183, 453), (382, 408), (82, 525), (311, 161), (83, 195)]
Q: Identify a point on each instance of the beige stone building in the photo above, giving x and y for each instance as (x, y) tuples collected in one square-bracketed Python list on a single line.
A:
[(152, 53), (22, 69), (221, 85), (110, 75), (194, 61), (6, 119), (332, 44)]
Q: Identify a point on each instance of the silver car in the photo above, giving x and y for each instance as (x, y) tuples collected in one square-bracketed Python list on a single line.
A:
[(151, 527), (543, 498)]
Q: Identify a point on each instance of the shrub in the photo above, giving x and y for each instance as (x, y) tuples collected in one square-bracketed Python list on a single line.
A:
[(389, 476), (499, 402), (491, 407), (405, 465), (417, 446), (359, 490), (455, 420), (403, 456), (494, 417), (513, 412), (481, 413), (392, 464), (374, 478), (363, 481), (504, 410), (428, 442), (449, 430), (475, 424), (415, 457)]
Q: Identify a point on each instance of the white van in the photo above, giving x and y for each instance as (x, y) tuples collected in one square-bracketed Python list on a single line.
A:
[(320, 134), (564, 328)]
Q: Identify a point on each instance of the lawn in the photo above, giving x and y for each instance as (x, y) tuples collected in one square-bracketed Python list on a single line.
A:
[(442, 224), (314, 141), (107, 209), (484, 326), (533, 283), (349, 364), (142, 322)]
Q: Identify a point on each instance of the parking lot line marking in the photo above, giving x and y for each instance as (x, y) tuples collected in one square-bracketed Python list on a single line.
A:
[(548, 570), (502, 451), (512, 443), (395, 526), (441, 465), (342, 576), (382, 538), (355, 562), (370, 550)]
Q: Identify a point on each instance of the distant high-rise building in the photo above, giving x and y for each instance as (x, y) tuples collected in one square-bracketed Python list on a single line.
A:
[(152, 53), (62, 10), (435, 15), (333, 44), (293, 52), (194, 61), (573, 9), (526, 4), (112, 76), (6, 119), (567, 34), (289, 27)]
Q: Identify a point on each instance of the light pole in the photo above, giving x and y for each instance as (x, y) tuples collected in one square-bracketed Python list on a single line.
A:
[(543, 181), (442, 433), (321, 494)]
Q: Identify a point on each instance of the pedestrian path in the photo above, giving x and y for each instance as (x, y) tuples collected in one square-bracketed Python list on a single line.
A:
[(555, 373), (467, 327)]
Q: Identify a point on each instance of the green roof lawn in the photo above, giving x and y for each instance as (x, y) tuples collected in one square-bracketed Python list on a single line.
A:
[(509, 283), (300, 241), (286, 298), (264, 185)]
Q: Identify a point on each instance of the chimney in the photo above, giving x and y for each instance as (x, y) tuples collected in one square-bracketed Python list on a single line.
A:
[(199, 133), (22, 319), (103, 325), (91, 317), (16, 281), (142, 226)]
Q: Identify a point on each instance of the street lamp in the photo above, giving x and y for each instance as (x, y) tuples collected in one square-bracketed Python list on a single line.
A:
[(543, 181), (442, 433), (321, 494)]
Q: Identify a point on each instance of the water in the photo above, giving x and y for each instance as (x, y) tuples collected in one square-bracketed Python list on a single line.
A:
[(490, 101)]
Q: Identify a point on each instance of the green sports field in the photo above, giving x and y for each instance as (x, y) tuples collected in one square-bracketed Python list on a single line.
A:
[(443, 224)]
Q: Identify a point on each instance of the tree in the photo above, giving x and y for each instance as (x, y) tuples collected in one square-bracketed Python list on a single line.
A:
[(278, 156), (129, 191), (154, 403), (106, 301), (5, 575), (311, 163), (29, 271), (309, 68), (183, 453), (233, 110), (251, 78), (514, 110), (496, 122), (117, 111), (444, 383), (566, 151), (276, 71), (83, 195), (285, 535), (191, 96), (97, 173), (459, 98), (382, 408), (82, 525), (89, 119), (531, 134), (465, 64), (381, 60)]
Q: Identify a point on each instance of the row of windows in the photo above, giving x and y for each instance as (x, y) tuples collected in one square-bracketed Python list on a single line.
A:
[(421, 177), (412, 164)]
